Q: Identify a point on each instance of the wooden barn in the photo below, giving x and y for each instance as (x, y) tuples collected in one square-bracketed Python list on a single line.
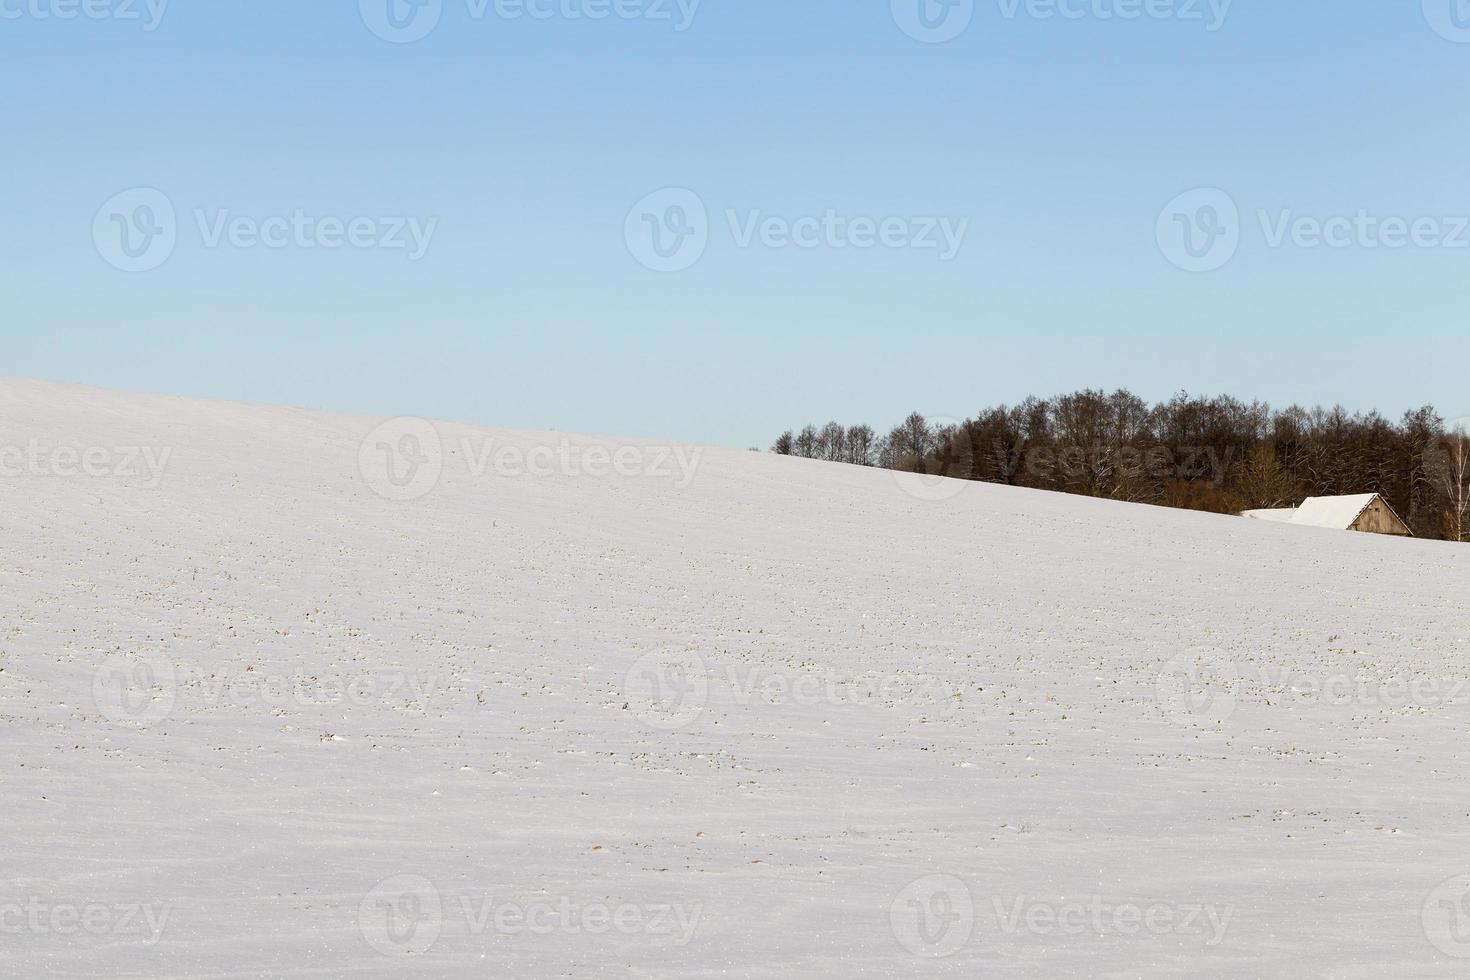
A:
[(1366, 512)]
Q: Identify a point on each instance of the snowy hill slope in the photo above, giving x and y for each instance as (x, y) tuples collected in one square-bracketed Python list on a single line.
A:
[(288, 694)]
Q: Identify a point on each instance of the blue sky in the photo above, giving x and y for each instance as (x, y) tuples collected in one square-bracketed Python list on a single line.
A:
[(1061, 145)]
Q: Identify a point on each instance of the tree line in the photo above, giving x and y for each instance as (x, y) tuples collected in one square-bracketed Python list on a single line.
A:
[(1214, 454)]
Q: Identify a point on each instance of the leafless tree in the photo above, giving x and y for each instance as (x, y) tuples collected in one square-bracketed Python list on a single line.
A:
[(806, 443), (1205, 453), (913, 439), (832, 443), (1454, 483), (1265, 483), (861, 443)]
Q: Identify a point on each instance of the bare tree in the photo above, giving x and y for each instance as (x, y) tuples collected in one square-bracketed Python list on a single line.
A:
[(806, 443), (861, 443), (954, 453), (1420, 435), (1206, 453), (1454, 483), (909, 443), (784, 444), (832, 443), (1265, 483)]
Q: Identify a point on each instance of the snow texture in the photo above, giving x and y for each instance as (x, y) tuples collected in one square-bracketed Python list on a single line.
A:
[(1334, 512), (1281, 515), (267, 715)]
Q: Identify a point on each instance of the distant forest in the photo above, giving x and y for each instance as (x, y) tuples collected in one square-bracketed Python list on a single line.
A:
[(1214, 454)]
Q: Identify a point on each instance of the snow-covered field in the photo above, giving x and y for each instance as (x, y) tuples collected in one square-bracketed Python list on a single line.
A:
[(289, 694)]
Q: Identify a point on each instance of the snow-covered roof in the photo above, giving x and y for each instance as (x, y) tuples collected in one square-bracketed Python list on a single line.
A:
[(1279, 514), (1333, 512)]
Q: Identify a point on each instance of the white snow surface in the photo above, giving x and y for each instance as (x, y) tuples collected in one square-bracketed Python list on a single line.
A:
[(1001, 734), (1282, 515), (1338, 513)]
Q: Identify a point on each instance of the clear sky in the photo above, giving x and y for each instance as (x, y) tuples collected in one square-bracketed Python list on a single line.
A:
[(1051, 138)]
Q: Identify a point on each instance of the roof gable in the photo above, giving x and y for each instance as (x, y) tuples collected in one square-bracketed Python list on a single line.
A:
[(1339, 513)]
